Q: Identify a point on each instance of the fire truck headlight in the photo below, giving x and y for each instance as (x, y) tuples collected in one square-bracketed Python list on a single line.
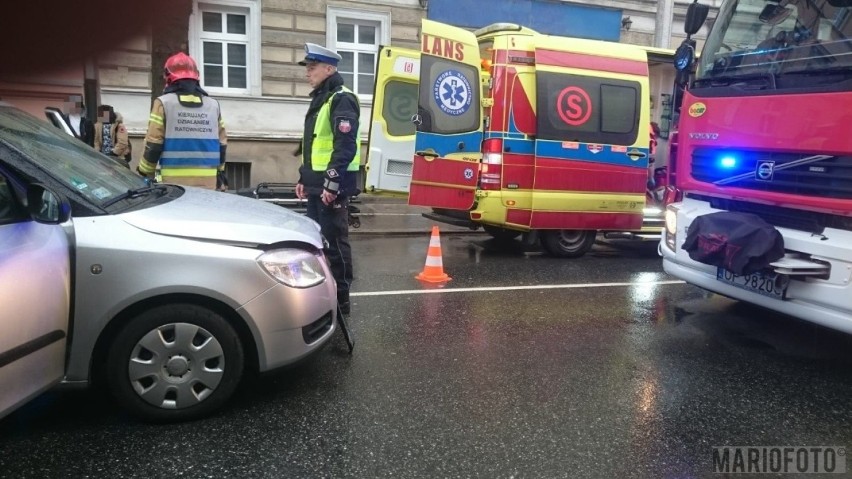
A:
[(294, 267), (671, 225)]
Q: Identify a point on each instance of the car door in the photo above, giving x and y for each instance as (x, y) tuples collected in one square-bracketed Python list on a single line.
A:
[(35, 291), (59, 120), (449, 119), (391, 130)]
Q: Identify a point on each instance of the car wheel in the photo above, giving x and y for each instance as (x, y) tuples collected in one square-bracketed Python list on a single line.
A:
[(568, 243), (175, 362), (501, 234)]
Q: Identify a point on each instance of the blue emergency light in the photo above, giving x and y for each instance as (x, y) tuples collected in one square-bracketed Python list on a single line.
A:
[(728, 162)]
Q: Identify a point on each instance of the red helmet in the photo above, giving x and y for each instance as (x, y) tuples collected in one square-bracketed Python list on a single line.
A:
[(178, 67)]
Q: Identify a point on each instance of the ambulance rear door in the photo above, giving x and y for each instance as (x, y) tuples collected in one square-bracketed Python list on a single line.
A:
[(592, 145), (448, 120), (391, 143)]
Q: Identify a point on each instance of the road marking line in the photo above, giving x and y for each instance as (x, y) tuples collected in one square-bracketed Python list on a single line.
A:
[(512, 288)]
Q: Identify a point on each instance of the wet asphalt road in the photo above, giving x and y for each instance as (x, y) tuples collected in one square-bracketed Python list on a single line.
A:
[(621, 373)]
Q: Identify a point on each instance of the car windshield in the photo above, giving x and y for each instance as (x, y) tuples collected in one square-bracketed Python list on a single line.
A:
[(66, 159), (756, 37)]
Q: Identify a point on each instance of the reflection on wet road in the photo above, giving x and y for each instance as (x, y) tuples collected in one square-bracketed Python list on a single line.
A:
[(597, 367)]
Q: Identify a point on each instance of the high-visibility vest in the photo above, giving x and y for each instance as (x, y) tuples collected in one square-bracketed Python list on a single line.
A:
[(323, 144), (191, 144)]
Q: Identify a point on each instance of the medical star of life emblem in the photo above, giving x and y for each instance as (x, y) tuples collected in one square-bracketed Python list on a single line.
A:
[(452, 92), (344, 126)]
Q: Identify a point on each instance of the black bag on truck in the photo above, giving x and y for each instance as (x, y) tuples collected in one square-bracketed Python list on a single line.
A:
[(742, 243)]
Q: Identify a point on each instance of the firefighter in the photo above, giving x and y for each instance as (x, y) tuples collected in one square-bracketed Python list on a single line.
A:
[(186, 134), (331, 155)]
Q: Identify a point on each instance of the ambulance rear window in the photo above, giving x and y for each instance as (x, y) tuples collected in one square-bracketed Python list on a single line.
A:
[(448, 97), (587, 109), (400, 104)]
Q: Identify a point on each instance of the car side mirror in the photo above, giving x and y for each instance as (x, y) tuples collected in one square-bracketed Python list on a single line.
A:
[(45, 206), (684, 56), (696, 14)]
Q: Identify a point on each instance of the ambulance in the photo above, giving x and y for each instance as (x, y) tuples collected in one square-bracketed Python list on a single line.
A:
[(518, 133)]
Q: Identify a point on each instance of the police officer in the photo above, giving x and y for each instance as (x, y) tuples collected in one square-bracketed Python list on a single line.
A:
[(331, 154), (186, 133)]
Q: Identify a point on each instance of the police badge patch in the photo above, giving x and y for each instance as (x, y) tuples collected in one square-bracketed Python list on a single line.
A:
[(344, 126)]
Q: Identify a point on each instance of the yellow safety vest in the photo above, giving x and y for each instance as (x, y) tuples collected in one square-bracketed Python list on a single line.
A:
[(191, 145), (323, 144)]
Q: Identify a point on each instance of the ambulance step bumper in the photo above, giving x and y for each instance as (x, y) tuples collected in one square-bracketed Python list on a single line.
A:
[(450, 217)]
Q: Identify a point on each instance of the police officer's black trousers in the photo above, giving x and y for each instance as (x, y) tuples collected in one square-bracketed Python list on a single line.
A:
[(334, 223)]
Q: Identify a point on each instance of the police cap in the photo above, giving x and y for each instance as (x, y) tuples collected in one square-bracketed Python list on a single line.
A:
[(317, 54)]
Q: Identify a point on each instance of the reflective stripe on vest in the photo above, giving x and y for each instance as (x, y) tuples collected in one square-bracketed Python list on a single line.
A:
[(323, 143), (191, 144)]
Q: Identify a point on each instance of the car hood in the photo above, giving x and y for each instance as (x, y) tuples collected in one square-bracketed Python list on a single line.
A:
[(225, 217)]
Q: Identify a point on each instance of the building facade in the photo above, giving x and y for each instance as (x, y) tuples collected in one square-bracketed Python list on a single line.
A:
[(248, 51)]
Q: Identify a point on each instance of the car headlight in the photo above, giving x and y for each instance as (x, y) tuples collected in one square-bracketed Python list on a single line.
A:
[(294, 267)]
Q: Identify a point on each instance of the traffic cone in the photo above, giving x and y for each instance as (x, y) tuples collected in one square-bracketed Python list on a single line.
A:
[(433, 272)]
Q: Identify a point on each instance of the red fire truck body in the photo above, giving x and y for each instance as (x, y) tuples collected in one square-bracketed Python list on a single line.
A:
[(764, 129)]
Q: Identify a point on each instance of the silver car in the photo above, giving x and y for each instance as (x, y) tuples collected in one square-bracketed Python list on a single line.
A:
[(168, 295)]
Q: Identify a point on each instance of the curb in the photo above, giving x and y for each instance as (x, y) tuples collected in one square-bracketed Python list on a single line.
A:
[(356, 232), (378, 198)]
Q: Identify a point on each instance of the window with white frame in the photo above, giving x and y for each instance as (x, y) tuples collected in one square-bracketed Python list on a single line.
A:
[(224, 38), (356, 36)]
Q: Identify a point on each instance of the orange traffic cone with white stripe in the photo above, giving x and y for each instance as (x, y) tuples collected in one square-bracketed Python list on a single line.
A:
[(433, 272)]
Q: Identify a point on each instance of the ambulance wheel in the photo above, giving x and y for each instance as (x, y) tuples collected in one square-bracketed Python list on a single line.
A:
[(501, 234), (568, 243)]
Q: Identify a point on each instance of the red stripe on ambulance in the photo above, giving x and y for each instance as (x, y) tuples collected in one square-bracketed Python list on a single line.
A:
[(591, 62), (574, 220)]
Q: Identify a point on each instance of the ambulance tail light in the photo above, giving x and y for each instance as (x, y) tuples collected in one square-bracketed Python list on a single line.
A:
[(491, 168)]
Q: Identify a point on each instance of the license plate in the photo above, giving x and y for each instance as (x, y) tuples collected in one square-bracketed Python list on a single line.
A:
[(768, 284)]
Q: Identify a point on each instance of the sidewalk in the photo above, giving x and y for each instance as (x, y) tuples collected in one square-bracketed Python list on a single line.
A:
[(391, 215)]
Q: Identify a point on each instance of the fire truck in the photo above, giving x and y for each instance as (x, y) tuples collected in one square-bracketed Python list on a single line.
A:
[(524, 133), (764, 147)]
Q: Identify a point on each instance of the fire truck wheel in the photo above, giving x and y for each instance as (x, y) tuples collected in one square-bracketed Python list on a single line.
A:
[(568, 243), (501, 234)]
